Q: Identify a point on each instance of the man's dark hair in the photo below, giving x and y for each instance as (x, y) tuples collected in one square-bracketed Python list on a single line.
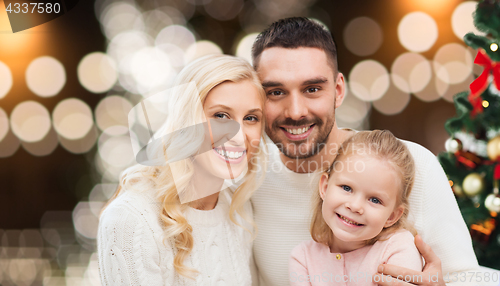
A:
[(296, 32)]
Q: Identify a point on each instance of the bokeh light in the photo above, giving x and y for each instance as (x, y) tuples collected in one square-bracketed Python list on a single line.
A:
[(462, 21), (151, 69), (434, 90), (123, 47), (116, 151), (224, 10), (30, 121), (363, 36), (369, 80), (45, 76), (4, 124), (393, 102), (81, 145), (155, 21), (43, 147), (119, 17), (453, 63), (177, 35), (9, 145), (5, 80), (352, 110), (202, 48), (86, 222), (244, 49), (417, 32), (411, 72), (112, 115), (97, 72), (72, 118)]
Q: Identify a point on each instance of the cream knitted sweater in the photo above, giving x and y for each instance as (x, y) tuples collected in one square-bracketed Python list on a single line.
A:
[(131, 249), (282, 211)]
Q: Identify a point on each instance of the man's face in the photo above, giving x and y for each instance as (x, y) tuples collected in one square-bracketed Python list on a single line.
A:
[(302, 94)]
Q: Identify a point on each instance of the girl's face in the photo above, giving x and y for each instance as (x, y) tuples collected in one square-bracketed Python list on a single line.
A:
[(359, 199), (242, 103)]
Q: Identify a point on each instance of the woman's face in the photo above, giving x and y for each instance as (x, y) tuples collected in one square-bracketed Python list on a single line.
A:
[(242, 103)]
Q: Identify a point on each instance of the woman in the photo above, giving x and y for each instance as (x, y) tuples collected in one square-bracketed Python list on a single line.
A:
[(172, 224)]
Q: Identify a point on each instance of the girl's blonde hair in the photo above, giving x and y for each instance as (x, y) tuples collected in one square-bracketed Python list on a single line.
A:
[(380, 144), (184, 111)]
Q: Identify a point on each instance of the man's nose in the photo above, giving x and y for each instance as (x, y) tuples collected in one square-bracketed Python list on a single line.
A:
[(296, 106)]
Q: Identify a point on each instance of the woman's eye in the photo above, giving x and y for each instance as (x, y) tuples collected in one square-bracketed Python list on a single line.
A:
[(346, 188), (375, 201), (252, 118), (221, 116)]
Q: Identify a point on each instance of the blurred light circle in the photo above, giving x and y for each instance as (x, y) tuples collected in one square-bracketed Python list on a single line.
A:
[(176, 35), (43, 147), (417, 32), (5, 80), (175, 55), (9, 145), (4, 124), (85, 221), (22, 271), (352, 109), (97, 72), (72, 118), (244, 49), (116, 151), (112, 115), (369, 80), (454, 89), (202, 48), (462, 21), (393, 102), (434, 90), (453, 63), (224, 10), (119, 17), (151, 68), (45, 76), (81, 145), (30, 121), (123, 47), (411, 72), (363, 36), (155, 21)]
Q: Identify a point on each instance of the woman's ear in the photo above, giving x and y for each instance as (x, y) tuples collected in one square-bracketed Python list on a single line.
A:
[(323, 185), (395, 216)]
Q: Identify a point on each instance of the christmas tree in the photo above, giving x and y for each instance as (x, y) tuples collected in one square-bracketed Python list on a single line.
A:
[(472, 160)]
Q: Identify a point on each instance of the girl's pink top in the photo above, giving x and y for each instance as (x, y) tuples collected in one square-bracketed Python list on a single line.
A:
[(312, 263)]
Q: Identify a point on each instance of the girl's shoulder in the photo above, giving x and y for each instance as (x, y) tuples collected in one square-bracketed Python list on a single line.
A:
[(309, 247), (400, 235)]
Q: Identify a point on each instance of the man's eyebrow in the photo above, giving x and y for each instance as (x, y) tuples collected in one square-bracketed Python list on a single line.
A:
[(318, 80), (267, 84)]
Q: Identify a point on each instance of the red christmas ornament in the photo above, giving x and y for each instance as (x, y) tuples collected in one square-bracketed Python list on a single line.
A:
[(478, 86)]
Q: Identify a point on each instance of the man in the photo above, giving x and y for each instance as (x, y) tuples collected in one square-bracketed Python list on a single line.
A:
[(296, 60)]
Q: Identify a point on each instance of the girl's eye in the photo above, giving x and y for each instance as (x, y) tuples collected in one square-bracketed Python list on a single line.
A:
[(346, 188), (375, 201), (221, 116)]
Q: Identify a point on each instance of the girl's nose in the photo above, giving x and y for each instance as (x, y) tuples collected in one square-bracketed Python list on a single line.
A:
[(354, 206)]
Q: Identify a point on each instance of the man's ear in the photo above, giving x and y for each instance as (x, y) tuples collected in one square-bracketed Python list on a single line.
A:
[(323, 185), (340, 90), (395, 216)]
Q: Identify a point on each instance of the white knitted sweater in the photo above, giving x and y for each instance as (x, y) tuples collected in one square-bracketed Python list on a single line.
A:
[(282, 211), (131, 249)]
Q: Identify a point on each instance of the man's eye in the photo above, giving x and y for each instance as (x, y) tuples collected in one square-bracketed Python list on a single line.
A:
[(312, 90), (346, 188), (375, 201), (275, 93)]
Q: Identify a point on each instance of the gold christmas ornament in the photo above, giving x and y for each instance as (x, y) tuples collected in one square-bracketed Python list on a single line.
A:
[(473, 184), (453, 145), (493, 148), (492, 203), (459, 192)]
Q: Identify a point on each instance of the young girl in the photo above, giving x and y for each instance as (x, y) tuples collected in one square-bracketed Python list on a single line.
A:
[(360, 215)]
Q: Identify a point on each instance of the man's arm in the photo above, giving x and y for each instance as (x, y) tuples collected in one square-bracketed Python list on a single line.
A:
[(439, 222)]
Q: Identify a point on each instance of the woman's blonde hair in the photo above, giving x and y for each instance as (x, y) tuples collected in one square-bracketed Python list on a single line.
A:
[(184, 111), (380, 144)]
